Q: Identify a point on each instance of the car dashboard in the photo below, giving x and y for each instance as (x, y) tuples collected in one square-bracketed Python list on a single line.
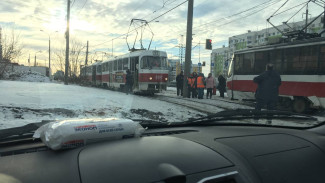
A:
[(208, 154)]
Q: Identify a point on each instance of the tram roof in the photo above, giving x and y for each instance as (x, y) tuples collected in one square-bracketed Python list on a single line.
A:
[(296, 43)]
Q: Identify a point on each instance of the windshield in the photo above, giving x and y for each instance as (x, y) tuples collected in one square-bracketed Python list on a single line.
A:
[(152, 62), (138, 60)]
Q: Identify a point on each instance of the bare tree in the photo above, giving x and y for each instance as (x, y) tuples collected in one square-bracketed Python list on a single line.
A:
[(60, 59), (76, 57), (12, 48)]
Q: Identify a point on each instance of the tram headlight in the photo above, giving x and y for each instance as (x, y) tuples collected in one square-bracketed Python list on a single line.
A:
[(150, 78), (166, 79)]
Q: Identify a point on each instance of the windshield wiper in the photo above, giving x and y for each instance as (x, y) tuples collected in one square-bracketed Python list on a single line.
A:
[(239, 114), (227, 115), (22, 131)]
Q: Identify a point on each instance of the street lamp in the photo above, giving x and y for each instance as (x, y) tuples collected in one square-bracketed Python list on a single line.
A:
[(49, 49), (35, 57)]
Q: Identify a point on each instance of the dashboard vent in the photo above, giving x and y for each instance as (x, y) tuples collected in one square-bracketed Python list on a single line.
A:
[(164, 133)]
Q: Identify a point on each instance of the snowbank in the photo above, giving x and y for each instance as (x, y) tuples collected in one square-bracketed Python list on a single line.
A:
[(29, 76)]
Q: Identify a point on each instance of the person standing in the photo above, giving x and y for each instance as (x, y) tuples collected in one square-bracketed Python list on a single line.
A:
[(128, 82), (267, 92), (200, 86), (179, 83), (189, 85), (210, 84), (222, 85), (194, 85)]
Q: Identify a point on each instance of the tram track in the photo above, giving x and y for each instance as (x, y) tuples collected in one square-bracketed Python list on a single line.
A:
[(210, 106)]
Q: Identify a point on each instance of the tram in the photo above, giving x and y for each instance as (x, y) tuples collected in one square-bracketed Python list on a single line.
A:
[(148, 67), (301, 65)]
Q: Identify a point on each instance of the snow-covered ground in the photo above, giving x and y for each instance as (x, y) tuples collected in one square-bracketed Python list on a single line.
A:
[(27, 102), (29, 76)]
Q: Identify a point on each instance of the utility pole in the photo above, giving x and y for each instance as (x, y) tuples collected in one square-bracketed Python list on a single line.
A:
[(188, 46), (0, 44), (67, 47), (306, 18), (181, 51), (87, 54), (49, 58), (322, 35)]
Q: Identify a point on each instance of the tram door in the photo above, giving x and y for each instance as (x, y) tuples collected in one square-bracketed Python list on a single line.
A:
[(134, 61)]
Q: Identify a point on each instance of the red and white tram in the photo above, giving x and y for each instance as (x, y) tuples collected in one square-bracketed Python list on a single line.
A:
[(149, 69), (301, 65)]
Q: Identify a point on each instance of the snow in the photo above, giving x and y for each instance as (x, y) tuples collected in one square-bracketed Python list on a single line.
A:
[(23, 102), (28, 102), (29, 76)]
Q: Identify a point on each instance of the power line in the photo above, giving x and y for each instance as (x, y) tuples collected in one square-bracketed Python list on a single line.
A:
[(249, 9), (155, 11), (168, 11), (141, 25), (267, 4)]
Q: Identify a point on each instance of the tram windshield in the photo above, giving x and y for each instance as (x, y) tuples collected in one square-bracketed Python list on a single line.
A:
[(152, 62)]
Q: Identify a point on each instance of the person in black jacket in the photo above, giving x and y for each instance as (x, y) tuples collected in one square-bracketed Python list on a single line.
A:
[(128, 82), (222, 85), (179, 83), (267, 92)]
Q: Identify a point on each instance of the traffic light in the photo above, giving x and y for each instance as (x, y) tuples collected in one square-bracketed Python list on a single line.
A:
[(208, 44), (203, 64)]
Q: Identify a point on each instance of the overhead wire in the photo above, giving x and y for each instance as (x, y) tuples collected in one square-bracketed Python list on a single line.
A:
[(291, 8), (263, 5), (241, 12), (242, 17), (141, 25), (297, 12)]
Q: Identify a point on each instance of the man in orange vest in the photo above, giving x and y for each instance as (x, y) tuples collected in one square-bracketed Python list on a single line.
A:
[(200, 86)]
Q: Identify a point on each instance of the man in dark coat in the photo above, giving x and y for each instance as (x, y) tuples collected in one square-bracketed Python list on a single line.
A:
[(128, 82), (179, 83), (267, 92), (222, 85)]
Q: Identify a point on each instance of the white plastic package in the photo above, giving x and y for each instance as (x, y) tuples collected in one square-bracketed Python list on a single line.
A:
[(79, 132)]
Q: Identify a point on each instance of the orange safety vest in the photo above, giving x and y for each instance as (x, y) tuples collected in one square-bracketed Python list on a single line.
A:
[(189, 80), (199, 82)]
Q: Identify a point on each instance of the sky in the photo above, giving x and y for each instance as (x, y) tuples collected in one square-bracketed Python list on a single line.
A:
[(100, 21)]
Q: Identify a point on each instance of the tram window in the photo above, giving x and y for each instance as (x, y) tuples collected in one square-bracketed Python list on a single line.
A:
[(104, 67), (261, 59), (115, 65), (248, 65), (99, 68), (309, 59), (110, 67), (149, 62), (291, 61), (322, 60), (125, 63), (276, 60), (120, 64), (239, 64)]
